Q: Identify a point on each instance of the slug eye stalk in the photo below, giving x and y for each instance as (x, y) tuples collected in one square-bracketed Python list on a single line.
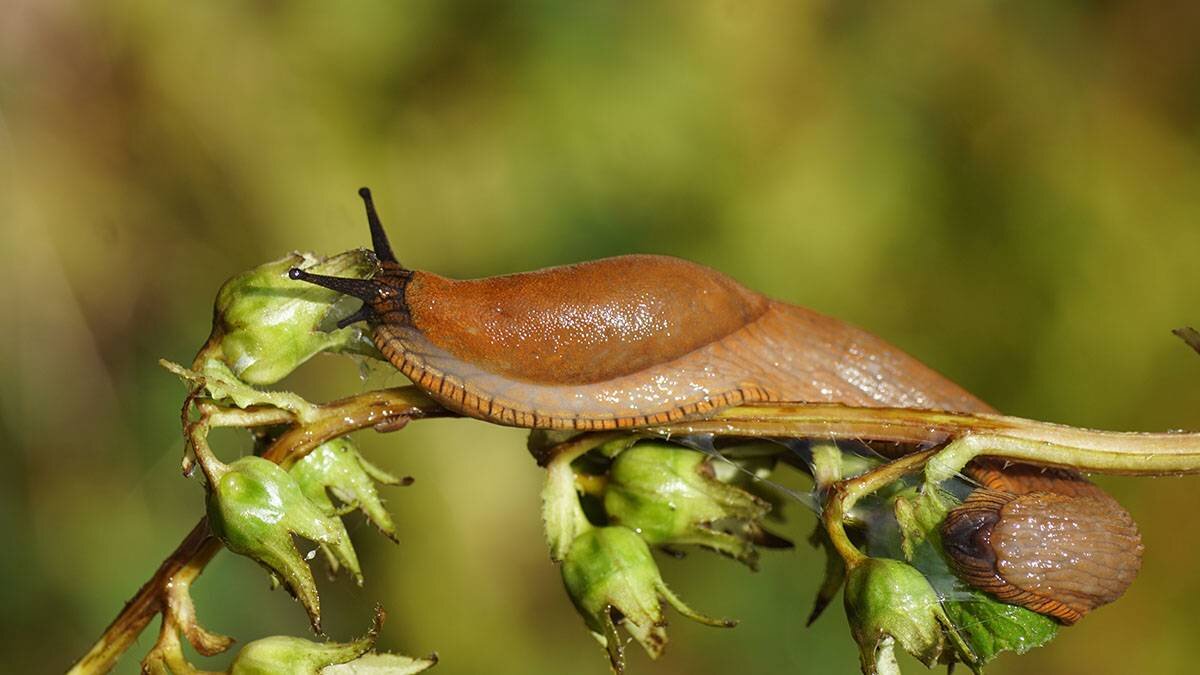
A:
[(376, 293), (379, 238), (363, 289)]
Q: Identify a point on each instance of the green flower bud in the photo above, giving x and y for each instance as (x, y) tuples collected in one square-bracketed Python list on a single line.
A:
[(284, 655), (265, 325), (255, 507), (611, 578), (669, 495), (337, 467), (889, 602), (281, 654)]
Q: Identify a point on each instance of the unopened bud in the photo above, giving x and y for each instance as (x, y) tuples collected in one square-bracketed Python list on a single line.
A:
[(255, 507), (888, 600), (337, 467), (285, 655), (612, 579), (265, 325), (669, 495)]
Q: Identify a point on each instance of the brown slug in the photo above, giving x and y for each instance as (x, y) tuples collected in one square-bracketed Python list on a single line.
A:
[(640, 340)]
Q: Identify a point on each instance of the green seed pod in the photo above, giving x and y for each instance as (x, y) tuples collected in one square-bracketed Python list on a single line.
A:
[(265, 325), (337, 467), (284, 655), (890, 602), (280, 654), (255, 507), (669, 495), (612, 578)]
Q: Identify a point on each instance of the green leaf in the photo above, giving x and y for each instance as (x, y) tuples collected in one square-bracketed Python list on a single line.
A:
[(381, 664), (991, 627)]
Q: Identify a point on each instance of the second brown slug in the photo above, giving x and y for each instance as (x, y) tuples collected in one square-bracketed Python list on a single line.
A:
[(642, 340)]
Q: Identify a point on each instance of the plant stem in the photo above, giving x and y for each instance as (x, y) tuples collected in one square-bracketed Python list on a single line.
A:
[(845, 494), (1073, 451), (562, 514), (1110, 452), (189, 559), (196, 550)]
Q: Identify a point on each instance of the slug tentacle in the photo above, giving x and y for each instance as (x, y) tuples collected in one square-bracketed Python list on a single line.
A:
[(383, 296), (363, 289), (379, 238)]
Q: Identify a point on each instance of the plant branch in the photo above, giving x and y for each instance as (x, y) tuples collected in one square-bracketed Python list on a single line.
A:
[(371, 409), (843, 495), (1126, 453)]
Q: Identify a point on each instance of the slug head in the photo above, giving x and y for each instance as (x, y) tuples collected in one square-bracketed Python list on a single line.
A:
[(383, 294)]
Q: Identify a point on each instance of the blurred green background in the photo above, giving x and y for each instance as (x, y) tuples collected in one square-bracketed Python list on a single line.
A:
[(1010, 191)]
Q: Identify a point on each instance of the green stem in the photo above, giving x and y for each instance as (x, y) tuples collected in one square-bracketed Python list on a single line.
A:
[(197, 437), (1113, 452), (254, 416), (1128, 455), (562, 514), (845, 494)]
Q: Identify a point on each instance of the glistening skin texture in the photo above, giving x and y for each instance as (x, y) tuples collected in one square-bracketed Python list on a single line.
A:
[(1057, 554), (642, 340)]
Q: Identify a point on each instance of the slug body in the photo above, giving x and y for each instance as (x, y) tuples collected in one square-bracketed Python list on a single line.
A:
[(634, 341), (643, 340)]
